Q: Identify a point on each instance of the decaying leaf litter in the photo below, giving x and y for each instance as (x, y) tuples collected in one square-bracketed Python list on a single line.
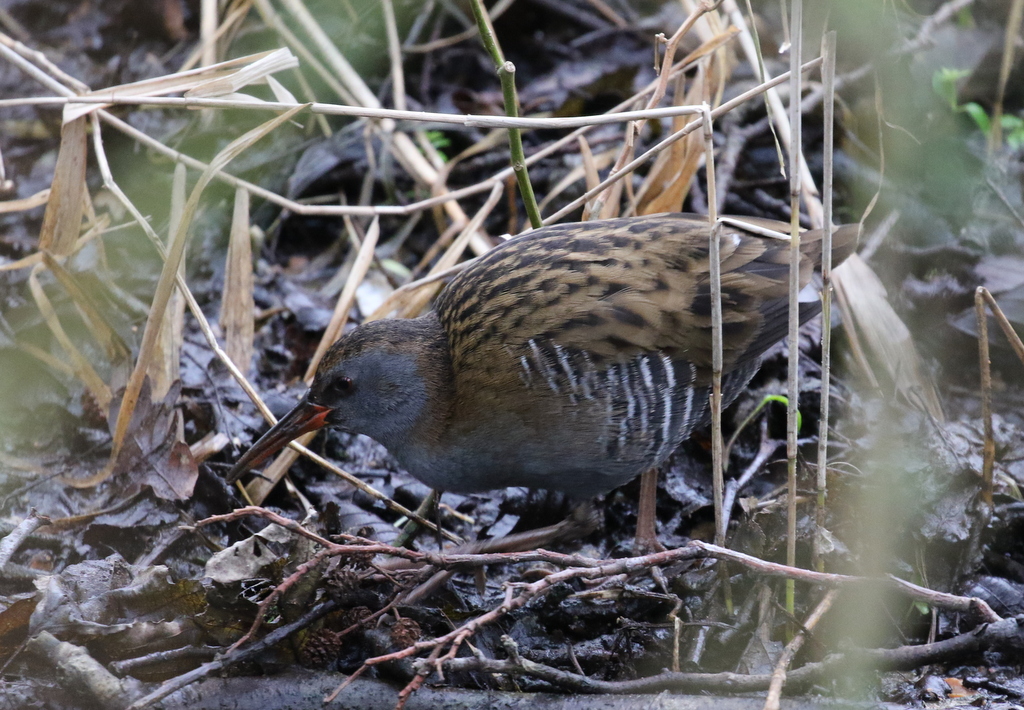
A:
[(904, 464)]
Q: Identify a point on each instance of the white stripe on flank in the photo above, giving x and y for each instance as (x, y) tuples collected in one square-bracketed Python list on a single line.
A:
[(543, 366), (527, 374), (666, 420), (620, 377), (567, 368), (645, 392), (589, 376), (688, 412)]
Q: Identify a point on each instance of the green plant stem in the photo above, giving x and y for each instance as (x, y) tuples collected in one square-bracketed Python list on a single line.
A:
[(507, 75)]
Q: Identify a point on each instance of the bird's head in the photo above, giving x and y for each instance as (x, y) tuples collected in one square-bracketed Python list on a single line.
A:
[(376, 380)]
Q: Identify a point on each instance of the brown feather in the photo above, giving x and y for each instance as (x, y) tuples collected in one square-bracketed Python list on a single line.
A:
[(615, 288)]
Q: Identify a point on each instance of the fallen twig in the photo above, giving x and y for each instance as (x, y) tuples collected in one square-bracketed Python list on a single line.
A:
[(1007, 634)]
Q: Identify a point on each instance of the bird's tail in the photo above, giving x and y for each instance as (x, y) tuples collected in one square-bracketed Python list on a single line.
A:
[(844, 243)]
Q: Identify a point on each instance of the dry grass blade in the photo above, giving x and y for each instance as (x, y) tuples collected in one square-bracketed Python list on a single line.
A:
[(778, 113), (169, 273), (982, 296), (83, 369), (233, 18), (412, 297), (259, 70), (26, 203), (204, 326), (589, 170), (348, 295), (62, 221), (216, 80), (669, 179), (165, 368), (207, 32), (866, 311), (211, 444), (606, 204), (237, 306), (92, 314), (259, 488), (672, 138), (400, 296), (101, 225), (46, 358)]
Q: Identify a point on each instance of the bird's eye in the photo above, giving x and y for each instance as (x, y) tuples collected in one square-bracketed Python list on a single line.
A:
[(342, 387)]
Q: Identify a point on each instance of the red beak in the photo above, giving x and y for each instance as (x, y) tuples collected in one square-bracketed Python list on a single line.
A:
[(304, 418)]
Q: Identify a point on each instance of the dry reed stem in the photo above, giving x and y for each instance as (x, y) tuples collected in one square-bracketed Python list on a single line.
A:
[(1013, 24), (715, 269), (1004, 324), (771, 702), (795, 140), (985, 364), (828, 71)]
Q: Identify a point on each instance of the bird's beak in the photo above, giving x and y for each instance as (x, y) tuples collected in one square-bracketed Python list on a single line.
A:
[(304, 418)]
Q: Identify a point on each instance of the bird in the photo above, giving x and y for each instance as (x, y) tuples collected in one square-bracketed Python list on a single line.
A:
[(571, 358)]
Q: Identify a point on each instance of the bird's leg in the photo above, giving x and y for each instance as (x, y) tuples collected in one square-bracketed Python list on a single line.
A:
[(646, 540), (436, 494)]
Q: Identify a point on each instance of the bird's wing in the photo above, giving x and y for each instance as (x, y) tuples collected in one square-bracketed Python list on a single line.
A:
[(615, 288)]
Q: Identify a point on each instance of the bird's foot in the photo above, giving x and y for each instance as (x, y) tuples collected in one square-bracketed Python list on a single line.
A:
[(646, 544)]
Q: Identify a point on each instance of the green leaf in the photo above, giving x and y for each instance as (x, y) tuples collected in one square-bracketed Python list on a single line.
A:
[(1013, 126), (944, 84), (981, 118), (965, 19), (782, 399), (440, 141)]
